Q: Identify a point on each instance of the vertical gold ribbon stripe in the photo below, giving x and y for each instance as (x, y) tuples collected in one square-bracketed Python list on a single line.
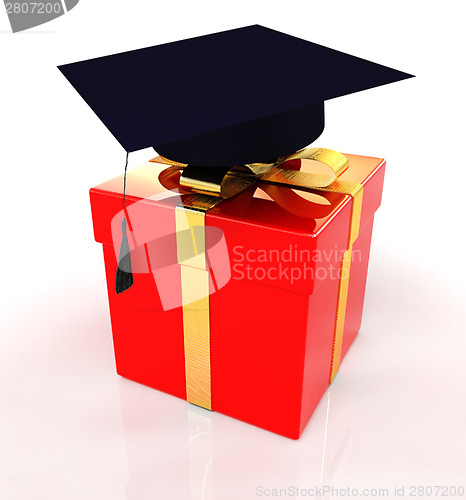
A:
[(355, 191), (340, 313), (191, 253), (196, 327)]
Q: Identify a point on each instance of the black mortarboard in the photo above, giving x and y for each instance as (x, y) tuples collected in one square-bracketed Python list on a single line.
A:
[(246, 95), (241, 96)]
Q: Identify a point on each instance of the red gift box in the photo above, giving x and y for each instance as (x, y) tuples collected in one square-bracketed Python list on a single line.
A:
[(273, 292)]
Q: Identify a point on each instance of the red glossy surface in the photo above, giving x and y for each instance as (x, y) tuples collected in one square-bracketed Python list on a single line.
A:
[(271, 337)]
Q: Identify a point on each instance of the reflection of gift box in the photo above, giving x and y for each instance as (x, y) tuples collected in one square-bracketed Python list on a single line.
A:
[(272, 297)]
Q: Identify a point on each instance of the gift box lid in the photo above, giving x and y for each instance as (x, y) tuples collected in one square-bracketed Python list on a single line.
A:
[(246, 223), (245, 95)]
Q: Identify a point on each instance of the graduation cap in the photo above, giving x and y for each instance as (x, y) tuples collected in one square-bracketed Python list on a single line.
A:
[(241, 96)]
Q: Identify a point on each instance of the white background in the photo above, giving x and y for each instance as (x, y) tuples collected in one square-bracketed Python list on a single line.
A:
[(70, 428)]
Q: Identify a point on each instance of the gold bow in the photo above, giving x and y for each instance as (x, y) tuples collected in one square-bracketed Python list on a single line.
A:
[(208, 187)]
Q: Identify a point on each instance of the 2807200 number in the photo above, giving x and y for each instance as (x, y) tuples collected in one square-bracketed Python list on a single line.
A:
[(33, 8), (436, 491)]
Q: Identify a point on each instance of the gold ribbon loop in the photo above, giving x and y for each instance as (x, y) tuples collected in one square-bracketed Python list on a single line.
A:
[(305, 176)]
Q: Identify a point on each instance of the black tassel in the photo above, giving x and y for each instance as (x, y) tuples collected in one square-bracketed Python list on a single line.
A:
[(124, 274)]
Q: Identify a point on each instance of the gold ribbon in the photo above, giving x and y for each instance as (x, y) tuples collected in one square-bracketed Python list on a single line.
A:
[(207, 187)]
